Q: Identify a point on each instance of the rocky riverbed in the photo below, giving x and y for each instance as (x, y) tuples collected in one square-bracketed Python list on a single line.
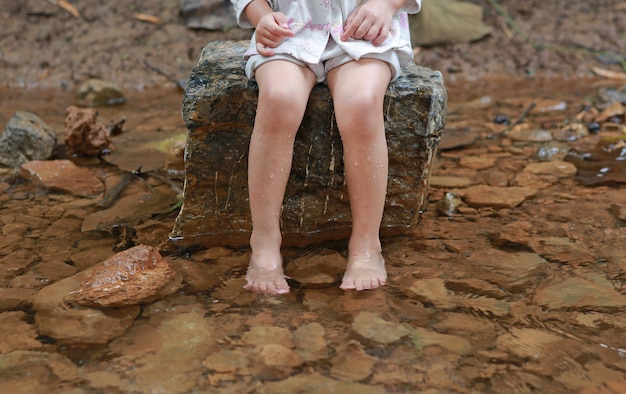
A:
[(512, 282), (514, 279)]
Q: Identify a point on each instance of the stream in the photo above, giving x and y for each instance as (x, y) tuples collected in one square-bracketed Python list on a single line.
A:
[(498, 297)]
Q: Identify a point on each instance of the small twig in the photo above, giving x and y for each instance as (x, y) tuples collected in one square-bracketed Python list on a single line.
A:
[(505, 29), (609, 74), (147, 18), (66, 6), (520, 119), (111, 195)]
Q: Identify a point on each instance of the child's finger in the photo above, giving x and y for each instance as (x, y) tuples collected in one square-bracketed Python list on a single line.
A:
[(382, 36), (264, 50), (281, 20), (352, 25)]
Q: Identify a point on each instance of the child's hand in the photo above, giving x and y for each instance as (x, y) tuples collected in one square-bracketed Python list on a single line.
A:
[(370, 21), (271, 30)]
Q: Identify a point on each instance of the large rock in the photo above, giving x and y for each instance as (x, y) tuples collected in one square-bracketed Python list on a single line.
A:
[(84, 135), (56, 316), (134, 276), (219, 109), (25, 138)]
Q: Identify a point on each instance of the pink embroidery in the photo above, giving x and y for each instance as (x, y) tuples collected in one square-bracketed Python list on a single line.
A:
[(404, 20)]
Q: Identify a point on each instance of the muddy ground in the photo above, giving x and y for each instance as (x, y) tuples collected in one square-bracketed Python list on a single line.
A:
[(42, 45)]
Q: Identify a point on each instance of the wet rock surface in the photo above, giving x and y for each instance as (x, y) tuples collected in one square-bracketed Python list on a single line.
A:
[(135, 276), (84, 135), (219, 109), (62, 176), (26, 137)]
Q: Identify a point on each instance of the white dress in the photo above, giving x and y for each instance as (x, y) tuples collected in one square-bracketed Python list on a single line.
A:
[(315, 22)]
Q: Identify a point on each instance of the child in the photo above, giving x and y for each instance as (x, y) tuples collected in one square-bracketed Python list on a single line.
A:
[(357, 47)]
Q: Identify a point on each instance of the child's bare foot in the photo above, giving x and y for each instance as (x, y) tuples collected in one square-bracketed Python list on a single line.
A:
[(265, 275), (364, 272)]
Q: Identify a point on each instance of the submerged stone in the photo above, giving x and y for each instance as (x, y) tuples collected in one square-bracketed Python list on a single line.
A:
[(274, 362), (372, 327), (98, 93), (219, 109), (591, 291), (68, 323), (353, 363), (62, 176)]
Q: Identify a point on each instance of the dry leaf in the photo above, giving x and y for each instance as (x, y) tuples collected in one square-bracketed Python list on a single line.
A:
[(66, 6), (615, 109), (621, 6), (609, 74), (147, 18)]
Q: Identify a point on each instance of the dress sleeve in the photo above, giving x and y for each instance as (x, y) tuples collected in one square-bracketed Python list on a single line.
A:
[(242, 19), (412, 6)]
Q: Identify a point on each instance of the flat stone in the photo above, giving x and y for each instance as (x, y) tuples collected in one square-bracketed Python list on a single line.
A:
[(228, 361), (261, 335), (33, 371), (592, 291), (323, 269), (63, 176), (496, 197), (16, 333), (353, 364), (509, 270), (559, 168), (524, 132), (527, 342), (477, 163), (424, 337), (372, 327), (219, 109), (449, 181), (73, 324), (274, 362), (435, 292), (310, 341), (166, 350)]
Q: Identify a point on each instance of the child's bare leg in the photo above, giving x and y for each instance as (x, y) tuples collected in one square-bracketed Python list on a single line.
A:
[(358, 90), (284, 89)]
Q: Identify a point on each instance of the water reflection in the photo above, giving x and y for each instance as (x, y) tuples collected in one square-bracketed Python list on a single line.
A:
[(481, 297)]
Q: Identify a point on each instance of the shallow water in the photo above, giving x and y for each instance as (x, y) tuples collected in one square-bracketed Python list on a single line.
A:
[(480, 299)]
